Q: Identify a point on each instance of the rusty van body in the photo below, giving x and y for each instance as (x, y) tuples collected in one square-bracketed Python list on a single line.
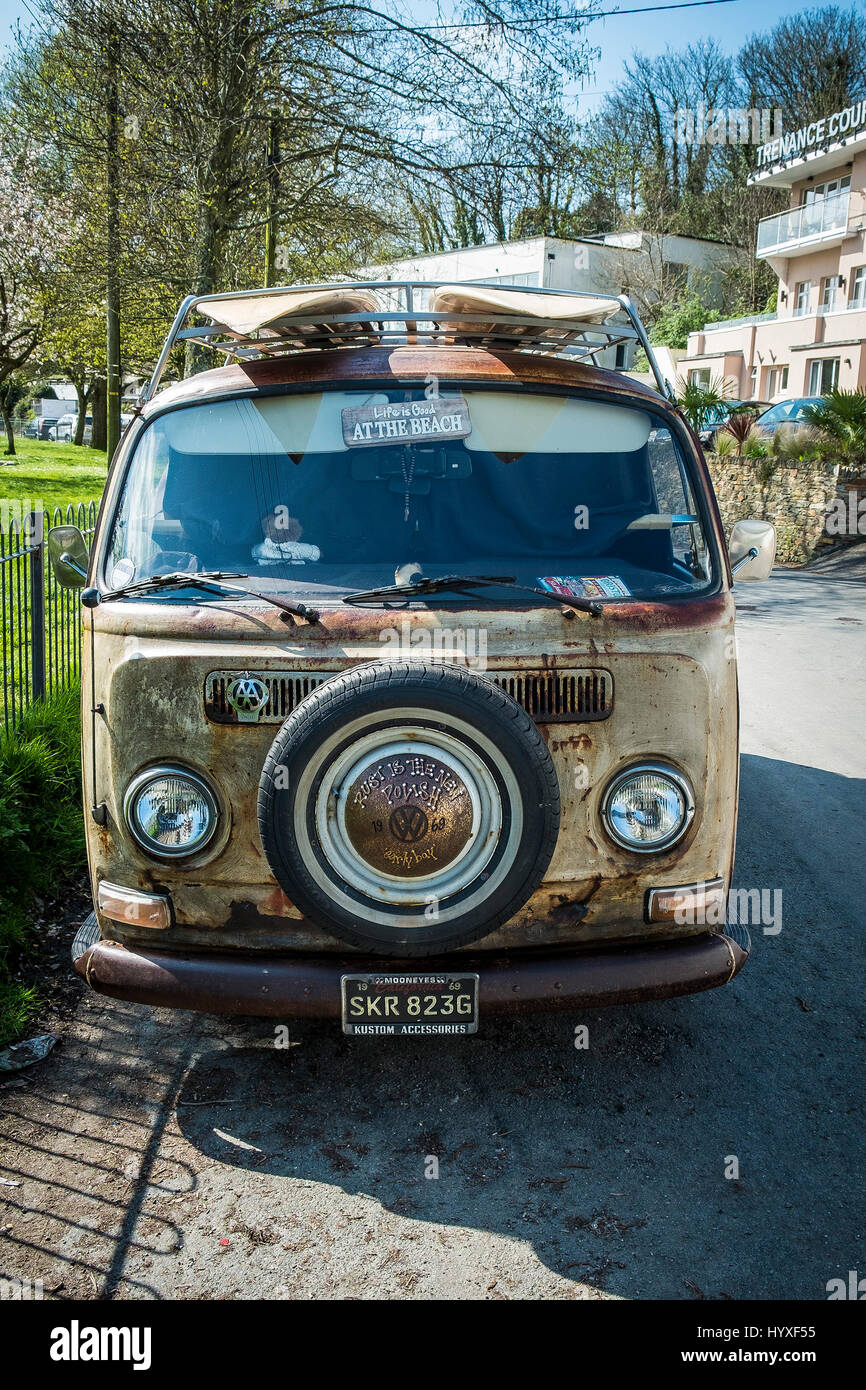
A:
[(409, 686)]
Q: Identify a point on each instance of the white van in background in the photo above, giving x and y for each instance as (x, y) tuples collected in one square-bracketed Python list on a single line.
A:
[(63, 432)]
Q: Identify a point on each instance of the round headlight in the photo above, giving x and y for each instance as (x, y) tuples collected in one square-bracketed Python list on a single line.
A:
[(648, 808), (170, 812)]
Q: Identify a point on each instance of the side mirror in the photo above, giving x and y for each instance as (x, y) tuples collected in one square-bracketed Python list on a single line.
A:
[(752, 549), (67, 551)]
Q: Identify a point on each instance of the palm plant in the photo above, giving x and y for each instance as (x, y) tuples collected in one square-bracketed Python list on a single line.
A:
[(698, 402), (840, 416)]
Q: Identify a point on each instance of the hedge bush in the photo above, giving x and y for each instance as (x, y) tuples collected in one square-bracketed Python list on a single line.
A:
[(41, 834)]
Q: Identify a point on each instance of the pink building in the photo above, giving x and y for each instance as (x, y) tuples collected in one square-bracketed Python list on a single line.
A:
[(817, 339)]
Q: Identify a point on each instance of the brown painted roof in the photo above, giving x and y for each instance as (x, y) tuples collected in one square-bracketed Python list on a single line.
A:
[(399, 365)]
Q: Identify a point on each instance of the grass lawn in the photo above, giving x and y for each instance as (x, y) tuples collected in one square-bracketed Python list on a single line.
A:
[(50, 474), (46, 475)]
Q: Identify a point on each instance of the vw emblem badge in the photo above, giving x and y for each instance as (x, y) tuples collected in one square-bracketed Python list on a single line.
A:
[(408, 823), (247, 696)]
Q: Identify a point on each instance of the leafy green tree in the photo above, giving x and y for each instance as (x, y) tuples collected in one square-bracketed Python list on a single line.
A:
[(63, 98), (675, 321), (213, 143)]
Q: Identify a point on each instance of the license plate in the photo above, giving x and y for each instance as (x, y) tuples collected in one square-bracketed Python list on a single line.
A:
[(427, 1005)]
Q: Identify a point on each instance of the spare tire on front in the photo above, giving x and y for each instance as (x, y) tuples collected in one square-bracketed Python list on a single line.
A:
[(409, 808)]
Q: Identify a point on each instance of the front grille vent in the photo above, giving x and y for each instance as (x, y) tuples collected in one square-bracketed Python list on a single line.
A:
[(285, 690), (550, 697), (560, 697)]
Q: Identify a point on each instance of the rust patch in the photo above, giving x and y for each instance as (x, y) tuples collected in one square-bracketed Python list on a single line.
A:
[(596, 884), (682, 615), (276, 904), (563, 913), (244, 916), (403, 364)]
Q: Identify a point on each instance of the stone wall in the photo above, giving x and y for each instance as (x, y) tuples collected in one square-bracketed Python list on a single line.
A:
[(796, 499)]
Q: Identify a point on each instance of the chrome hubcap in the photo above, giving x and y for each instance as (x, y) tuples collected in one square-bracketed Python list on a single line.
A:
[(408, 815)]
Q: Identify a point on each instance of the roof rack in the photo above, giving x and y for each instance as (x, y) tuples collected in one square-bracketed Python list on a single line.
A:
[(250, 324)]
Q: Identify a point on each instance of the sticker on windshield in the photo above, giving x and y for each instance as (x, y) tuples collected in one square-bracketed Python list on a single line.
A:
[(122, 574), (402, 422), (586, 586)]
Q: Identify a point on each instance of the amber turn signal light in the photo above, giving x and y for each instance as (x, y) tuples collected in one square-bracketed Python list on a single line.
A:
[(691, 903), (136, 908)]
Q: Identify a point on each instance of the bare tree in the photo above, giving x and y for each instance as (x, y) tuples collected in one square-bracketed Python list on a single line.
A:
[(241, 134), (809, 64), (642, 112), (362, 95)]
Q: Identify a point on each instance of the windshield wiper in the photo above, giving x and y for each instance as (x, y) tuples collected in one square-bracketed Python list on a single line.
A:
[(419, 587), (212, 580)]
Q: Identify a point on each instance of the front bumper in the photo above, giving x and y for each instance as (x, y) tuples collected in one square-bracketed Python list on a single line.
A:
[(309, 987)]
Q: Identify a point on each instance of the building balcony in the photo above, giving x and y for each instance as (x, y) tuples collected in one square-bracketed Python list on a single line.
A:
[(853, 306), (823, 222)]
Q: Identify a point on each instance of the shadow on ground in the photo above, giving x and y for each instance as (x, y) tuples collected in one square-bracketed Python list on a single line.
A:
[(156, 1138)]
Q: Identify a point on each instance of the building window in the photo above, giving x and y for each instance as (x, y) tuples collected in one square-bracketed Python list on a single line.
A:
[(753, 382), (621, 349), (804, 294), (823, 375), (777, 380), (699, 376), (827, 190), (858, 288), (829, 293)]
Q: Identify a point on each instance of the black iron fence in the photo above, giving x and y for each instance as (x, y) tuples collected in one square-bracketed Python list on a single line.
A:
[(40, 622)]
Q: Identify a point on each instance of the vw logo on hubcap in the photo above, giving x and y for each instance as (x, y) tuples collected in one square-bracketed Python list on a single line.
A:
[(408, 815), (408, 823)]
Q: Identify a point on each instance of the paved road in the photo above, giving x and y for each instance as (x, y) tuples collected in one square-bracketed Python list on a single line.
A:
[(168, 1155)]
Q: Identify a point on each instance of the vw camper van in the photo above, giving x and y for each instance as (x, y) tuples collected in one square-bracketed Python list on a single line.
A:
[(409, 681)]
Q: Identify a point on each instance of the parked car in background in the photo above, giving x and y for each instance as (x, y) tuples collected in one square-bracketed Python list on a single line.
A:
[(63, 431), (791, 412), (38, 427), (719, 416)]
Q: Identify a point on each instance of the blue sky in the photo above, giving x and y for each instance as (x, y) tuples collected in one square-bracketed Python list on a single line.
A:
[(729, 24), (618, 36)]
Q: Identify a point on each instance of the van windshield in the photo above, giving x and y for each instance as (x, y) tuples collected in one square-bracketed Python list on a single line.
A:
[(322, 494)]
